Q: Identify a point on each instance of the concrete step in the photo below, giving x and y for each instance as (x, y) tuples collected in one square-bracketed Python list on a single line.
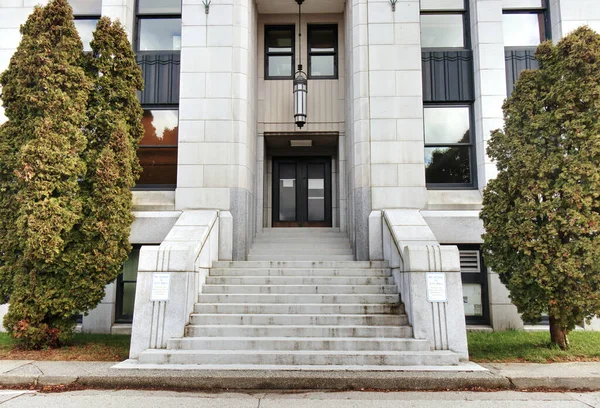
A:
[(305, 240), (301, 272), (300, 231), (295, 357), (302, 264), (299, 319), (300, 289), (324, 251), (298, 343), (309, 244), (297, 280), (297, 299), (297, 331), (287, 308), (306, 257)]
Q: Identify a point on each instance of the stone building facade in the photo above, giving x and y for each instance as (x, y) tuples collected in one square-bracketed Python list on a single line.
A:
[(402, 96)]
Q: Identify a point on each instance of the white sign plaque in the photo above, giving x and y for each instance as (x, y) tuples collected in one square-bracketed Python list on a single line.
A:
[(436, 287), (161, 283)]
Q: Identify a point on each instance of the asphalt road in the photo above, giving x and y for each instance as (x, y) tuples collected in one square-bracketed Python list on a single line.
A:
[(169, 399)]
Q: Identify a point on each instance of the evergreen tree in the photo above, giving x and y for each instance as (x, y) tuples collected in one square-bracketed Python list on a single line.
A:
[(542, 213), (44, 92), (68, 161), (113, 134)]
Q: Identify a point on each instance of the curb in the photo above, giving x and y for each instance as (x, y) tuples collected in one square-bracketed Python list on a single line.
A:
[(296, 381)]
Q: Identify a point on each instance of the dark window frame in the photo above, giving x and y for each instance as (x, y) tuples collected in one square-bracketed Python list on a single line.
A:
[(335, 53), (466, 27), (478, 278), (151, 16), (471, 145), (292, 54), (120, 283), (544, 11), (159, 187)]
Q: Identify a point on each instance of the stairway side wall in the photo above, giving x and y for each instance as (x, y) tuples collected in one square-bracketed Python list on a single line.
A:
[(413, 254)]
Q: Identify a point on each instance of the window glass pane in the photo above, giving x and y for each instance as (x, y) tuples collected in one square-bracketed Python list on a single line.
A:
[(442, 30), (322, 39), (442, 4), (279, 40), (159, 165), (130, 267), (160, 34), (86, 29), (86, 7), (526, 29), (161, 127), (280, 66), (446, 125), (447, 165), (472, 299), (159, 6), (158, 147), (322, 65)]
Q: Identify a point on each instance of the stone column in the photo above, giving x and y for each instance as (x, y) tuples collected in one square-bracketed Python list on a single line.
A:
[(217, 121), (490, 79), (396, 105), (358, 170)]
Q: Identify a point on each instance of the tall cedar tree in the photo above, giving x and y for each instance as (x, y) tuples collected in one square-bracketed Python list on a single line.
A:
[(44, 91), (113, 134), (66, 204), (542, 213)]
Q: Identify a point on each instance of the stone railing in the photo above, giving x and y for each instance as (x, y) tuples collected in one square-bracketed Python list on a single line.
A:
[(427, 275), (171, 276)]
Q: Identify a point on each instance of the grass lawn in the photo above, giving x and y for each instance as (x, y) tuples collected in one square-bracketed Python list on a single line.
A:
[(84, 347), (531, 347)]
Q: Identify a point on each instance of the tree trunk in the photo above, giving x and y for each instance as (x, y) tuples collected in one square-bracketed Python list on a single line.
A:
[(558, 335)]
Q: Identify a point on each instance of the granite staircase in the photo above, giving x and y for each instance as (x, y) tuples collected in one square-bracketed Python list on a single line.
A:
[(299, 302)]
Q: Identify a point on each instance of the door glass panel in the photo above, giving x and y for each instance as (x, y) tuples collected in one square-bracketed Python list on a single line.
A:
[(316, 192), (287, 192)]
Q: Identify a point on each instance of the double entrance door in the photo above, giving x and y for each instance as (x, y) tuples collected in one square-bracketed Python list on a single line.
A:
[(302, 192)]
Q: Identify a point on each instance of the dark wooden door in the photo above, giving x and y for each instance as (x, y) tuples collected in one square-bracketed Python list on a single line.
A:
[(302, 192)]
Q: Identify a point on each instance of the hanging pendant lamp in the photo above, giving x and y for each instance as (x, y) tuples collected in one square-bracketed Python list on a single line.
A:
[(300, 79)]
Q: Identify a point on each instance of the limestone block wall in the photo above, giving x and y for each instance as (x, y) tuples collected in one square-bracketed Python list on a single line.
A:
[(217, 125), (567, 15)]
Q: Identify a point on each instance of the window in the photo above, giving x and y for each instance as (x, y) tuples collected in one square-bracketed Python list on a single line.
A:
[(448, 146), (443, 24), (126, 283), (322, 51), (86, 14), (159, 25), (279, 52), (158, 148), (523, 29), (475, 286)]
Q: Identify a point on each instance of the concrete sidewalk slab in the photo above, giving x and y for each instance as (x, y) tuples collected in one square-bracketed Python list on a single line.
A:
[(568, 376), (556, 375)]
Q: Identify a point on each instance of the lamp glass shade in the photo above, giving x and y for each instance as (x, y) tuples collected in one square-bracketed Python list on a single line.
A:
[(300, 98)]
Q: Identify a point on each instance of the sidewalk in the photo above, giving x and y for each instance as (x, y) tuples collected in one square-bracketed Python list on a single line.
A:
[(562, 376)]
